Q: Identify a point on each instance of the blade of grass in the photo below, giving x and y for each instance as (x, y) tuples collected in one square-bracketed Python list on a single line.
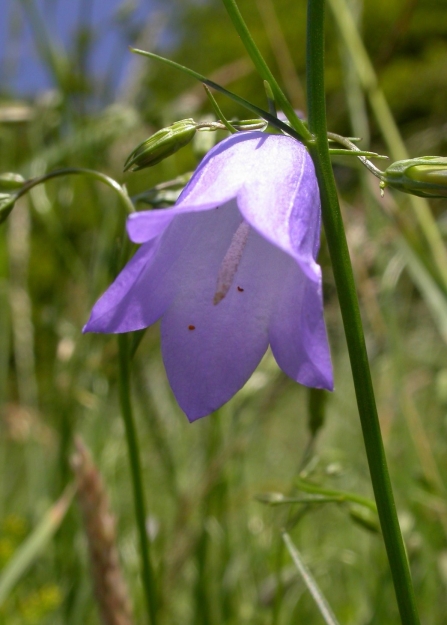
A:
[(55, 59), (220, 116), (264, 70), (147, 571), (388, 127), (274, 121), (433, 296), (312, 586), (280, 49), (33, 546)]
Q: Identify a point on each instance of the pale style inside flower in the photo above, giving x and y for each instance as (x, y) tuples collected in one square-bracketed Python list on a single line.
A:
[(231, 261)]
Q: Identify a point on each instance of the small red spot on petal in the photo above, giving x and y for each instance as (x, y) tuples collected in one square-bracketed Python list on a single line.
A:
[(240, 289), (191, 327)]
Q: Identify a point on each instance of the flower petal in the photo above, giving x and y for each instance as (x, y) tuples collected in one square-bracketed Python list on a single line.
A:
[(287, 212), (243, 166), (210, 350), (273, 179), (146, 286), (223, 172), (145, 226), (216, 181), (108, 312), (297, 332)]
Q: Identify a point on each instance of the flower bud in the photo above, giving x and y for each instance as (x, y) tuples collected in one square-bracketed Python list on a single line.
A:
[(425, 176), (11, 182), (161, 145), (7, 202)]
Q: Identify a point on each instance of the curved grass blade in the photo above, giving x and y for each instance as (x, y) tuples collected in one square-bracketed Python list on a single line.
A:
[(274, 121)]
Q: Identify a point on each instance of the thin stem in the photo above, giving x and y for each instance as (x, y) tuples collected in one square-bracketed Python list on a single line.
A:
[(110, 182), (341, 495), (344, 280), (359, 153), (274, 121), (137, 482), (263, 69), (220, 116)]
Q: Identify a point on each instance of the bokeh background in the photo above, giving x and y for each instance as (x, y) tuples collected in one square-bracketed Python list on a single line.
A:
[(72, 95)]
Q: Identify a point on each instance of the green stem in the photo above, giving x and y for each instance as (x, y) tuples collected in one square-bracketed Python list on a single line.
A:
[(110, 182), (220, 116), (263, 69), (342, 496), (137, 483), (344, 280)]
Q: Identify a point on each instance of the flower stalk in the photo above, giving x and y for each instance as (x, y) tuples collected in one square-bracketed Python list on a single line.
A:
[(136, 474), (264, 70), (344, 280), (18, 187)]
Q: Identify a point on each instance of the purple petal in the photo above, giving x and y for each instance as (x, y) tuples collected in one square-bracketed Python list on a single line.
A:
[(109, 312), (222, 173), (147, 225), (297, 332), (216, 181), (149, 282), (273, 179), (210, 350), (286, 213)]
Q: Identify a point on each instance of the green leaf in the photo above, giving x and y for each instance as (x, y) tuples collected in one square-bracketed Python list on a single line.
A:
[(33, 546), (312, 586)]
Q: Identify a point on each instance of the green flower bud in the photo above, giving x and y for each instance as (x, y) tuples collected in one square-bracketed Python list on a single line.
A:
[(7, 202), (161, 145), (425, 176), (11, 182)]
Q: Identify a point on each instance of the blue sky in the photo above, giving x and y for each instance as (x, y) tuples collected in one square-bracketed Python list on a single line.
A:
[(21, 70)]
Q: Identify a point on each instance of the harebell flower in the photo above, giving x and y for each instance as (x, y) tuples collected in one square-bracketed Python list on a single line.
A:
[(229, 270)]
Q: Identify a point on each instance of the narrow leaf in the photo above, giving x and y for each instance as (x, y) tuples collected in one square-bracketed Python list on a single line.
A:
[(33, 546), (277, 123), (312, 586)]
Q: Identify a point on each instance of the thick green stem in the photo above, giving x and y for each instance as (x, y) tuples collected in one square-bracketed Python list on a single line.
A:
[(344, 280), (137, 483)]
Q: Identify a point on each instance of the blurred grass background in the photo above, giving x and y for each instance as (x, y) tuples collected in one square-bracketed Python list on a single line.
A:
[(217, 551)]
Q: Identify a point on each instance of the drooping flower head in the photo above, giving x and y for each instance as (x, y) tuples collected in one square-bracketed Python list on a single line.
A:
[(229, 270)]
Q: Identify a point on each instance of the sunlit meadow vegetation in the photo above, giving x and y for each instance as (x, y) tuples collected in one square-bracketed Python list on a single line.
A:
[(217, 550)]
